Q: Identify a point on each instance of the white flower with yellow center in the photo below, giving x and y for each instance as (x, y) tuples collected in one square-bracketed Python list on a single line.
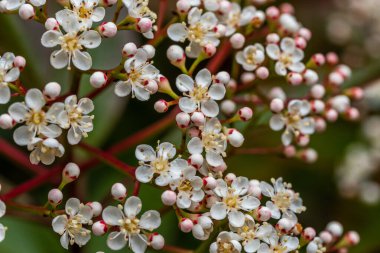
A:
[(71, 226), (139, 72), (131, 229), (251, 57), (45, 150), (8, 74), (72, 43), (12, 5), (236, 17), (156, 162), (212, 140), (294, 120), (226, 242), (200, 31), (282, 199), (139, 9), (284, 244), (87, 12), (233, 202), (37, 121), (288, 56), (201, 94)]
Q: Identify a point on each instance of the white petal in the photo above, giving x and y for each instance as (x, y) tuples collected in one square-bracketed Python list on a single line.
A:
[(273, 51), (187, 105), (138, 243), (184, 83), (72, 206), (59, 224), (177, 32), (195, 146), (85, 105), (252, 246), (218, 211), (82, 60), (141, 93), (214, 159), (90, 39), (288, 45), (116, 240), (145, 153), (68, 20), (51, 38), (22, 136), (112, 215), (5, 94), (249, 203), (280, 68), (203, 78), (166, 150), (266, 189), (74, 135), (217, 91), (34, 99), (59, 59), (3, 208), (144, 174), (64, 240), (150, 220), (18, 112), (2, 232), (236, 219), (297, 67), (98, 14), (210, 108), (287, 137), (12, 75), (277, 122), (122, 89), (132, 206)]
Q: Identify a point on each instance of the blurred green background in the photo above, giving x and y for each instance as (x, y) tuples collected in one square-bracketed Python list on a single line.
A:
[(117, 118)]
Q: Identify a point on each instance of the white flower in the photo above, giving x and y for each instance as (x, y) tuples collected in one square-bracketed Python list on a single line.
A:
[(212, 140), (283, 199), (87, 12), (45, 150), (284, 244), (72, 43), (12, 5), (236, 18), (70, 226), (233, 201), (227, 242), (200, 31), (139, 9), (8, 74), (288, 57), (139, 72), (157, 163), (251, 57), (294, 121), (131, 229), (74, 115), (202, 227), (189, 187), (37, 121), (199, 95)]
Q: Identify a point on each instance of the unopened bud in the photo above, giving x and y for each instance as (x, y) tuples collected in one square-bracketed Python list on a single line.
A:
[(96, 208), (157, 241), (245, 113), (235, 138), (198, 118), (55, 197), (262, 73), (98, 79), (161, 106), (70, 173), (168, 198), (108, 29), (182, 119), (129, 49), (118, 191), (51, 24), (196, 160), (99, 228), (209, 183), (26, 11), (144, 25), (19, 62), (237, 40), (186, 225), (276, 105), (6, 121)]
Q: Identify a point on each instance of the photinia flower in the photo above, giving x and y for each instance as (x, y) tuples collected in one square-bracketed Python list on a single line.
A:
[(139, 72), (251, 57), (87, 12), (70, 226), (72, 43), (226, 242), (288, 56), (131, 229), (199, 32), (45, 150), (294, 121), (203, 226), (201, 94), (233, 201), (236, 17), (283, 244), (12, 5), (157, 163), (8, 74)]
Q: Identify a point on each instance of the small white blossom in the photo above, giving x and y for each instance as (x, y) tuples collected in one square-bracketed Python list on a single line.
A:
[(12, 5), (45, 150), (251, 57), (87, 11), (203, 227), (236, 17), (8, 74), (70, 226), (284, 244), (226, 242)]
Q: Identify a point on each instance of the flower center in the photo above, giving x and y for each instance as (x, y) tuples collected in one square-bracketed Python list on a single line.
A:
[(134, 75), (74, 226), (282, 200), (196, 33), (225, 247), (213, 141), (83, 12), (247, 233), (70, 42), (279, 249), (199, 93), (131, 225), (293, 119), (75, 114), (286, 59), (160, 165), (185, 185), (231, 200), (35, 117)]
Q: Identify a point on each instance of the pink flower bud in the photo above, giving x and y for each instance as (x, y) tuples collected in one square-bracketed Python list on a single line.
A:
[(225, 7), (183, 6), (356, 93), (6, 121), (245, 113), (304, 33), (326, 237), (289, 151), (332, 58), (161, 106), (262, 73), (344, 70), (108, 2), (301, 43), (209, 50), (235, 138), (308, 233), (303, 140), (237, 40), (230, 177), (228, 107), (198, 118), (331, 115), (232, 85), (176, 55), (52, 90), (209, 183), (352, 113), (151, 86), (352, 237), (70, 173), (276, 105), (277, 92), (220, 30), (310, 76), (118, 191), (335, 228), (273, 38), (317, 91), (284, 225), (263, 213), (294, 78), (108, 29), (317, 106), (220, 168), (26, 12), (96, 208), (55, 197), (196, 160), (144, 25), (247, 77), (273, 12), (320, 124), (19, 62), (318, 59), (99, 228), (150, 50), (182, 119), (168, 198), (194, 132), (98, 79), (186, 225), (129, 49), (222, 77), (157, 241), (336, 78), (309, 155)]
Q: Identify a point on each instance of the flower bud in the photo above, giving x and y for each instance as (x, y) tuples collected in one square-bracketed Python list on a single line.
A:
[(6, 121), (225, 6), (237, 40), (118, 191), (284, 225), (96, 208), (232, 85), (150, 50), (320, 124), (352, 113), (55, 197), (161, 106), (228, 107), (277, 92), (182, 119), (70, 173), (108, 29), (262, 73), (245, 113), (129, 49), (209, 183), (336, 78), (332, 58), (99, 228), (98, 79), (276, 105), (344, 70), (254, 188), (331, 115), (235, 138), (289, 151), (340, 103), (309, 155), (26, 12), (308, 233), (209, 50), (19, 62), (194, 132), (310, 76), (151, 86), (335, 228), (230, 177), (220, 30), (247, 77), (272, 12), (352, 238), (108, 2), (186, 225), (304, 33), (273, 38), (168, 198), (52, 90), (183, 6), (303, 140), (144, 25), (326, 237), (263, 213), (157, 241), (176, 55), (301, 43), (287, 8), (294, 78), (198, 118), (196, 160), (318, 59), (356, 93), (317, 106), (317, 91), (222, 77)]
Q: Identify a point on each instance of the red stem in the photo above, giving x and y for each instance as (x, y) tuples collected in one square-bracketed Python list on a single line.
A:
[(136, 188), (220, 57), (161, 15)]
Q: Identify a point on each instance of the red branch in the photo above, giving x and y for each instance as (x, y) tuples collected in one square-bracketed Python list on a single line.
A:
[(136, 188), (161, 14), (218, 60)]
